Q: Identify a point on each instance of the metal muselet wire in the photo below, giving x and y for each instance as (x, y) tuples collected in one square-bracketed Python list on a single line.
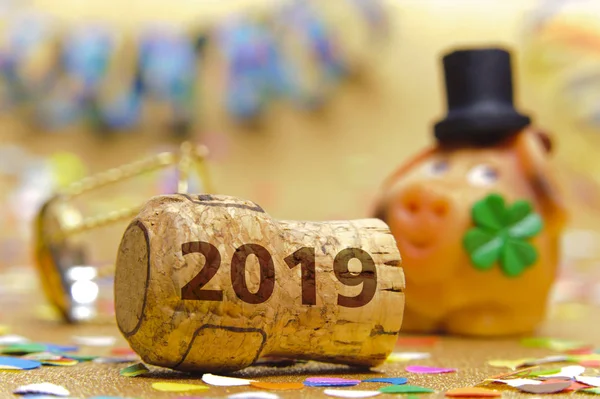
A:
[(70, 282)]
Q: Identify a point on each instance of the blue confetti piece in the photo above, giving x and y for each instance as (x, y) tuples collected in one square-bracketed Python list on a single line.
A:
[(60, 348), (330, 382), (395, 381), (23, 364)]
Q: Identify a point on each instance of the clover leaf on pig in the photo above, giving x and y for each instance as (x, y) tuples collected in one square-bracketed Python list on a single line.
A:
[(500, 235)]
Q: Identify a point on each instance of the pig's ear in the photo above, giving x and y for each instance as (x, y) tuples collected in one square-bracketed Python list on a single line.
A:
[(545, 140), (533, 148), (378, 210)]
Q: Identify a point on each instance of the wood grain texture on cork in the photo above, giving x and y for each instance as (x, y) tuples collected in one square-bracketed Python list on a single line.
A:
[(212, 283)]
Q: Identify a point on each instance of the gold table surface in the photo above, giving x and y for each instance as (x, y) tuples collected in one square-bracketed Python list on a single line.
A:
[(88, 379)]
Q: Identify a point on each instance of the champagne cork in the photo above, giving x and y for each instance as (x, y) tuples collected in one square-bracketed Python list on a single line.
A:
[(212, 283)]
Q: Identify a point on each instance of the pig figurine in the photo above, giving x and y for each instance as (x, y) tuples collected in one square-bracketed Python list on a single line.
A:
[(477, 217)]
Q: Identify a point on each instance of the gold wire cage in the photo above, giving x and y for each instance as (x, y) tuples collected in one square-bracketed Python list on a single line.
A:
[(61, 265)]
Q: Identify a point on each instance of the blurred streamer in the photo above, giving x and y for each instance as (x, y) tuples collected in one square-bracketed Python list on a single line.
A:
[(169, 68), (28, 62), (254, 70)]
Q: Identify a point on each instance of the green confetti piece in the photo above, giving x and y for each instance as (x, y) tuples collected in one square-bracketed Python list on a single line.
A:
[(594, 390), (536, 373), (81, 358), (405, 389), (555, 344), (23, 349), (499, 235), (134, 370)]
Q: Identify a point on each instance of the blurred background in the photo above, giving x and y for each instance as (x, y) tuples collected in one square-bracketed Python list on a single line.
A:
[(305, 106)]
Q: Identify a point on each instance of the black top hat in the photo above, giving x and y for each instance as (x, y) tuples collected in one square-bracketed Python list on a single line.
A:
[(480, 98)]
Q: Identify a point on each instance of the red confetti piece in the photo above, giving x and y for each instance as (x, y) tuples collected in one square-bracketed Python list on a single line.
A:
[(585, 350), (122, 351), (575, 386), (590, 363)]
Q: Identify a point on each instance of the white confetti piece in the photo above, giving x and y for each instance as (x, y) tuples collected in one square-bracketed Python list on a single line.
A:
[(593, 381), (346, 393), (94, 340), (42, 356), (518, 382), (122, 359), (12, 340), (253, 395), (44, 388), (568, 371), (221, 381), (407, 356)]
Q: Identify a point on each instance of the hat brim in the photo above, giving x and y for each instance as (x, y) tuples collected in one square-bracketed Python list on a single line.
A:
[(480, 129)]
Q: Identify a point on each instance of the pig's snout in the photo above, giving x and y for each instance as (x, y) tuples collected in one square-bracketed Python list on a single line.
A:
[(423, 206)]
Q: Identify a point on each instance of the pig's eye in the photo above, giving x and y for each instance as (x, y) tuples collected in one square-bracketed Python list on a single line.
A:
[(482, 175), (437, 167)]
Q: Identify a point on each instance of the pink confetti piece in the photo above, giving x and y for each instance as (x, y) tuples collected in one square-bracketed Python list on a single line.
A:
[(330, 382), (428, 370)]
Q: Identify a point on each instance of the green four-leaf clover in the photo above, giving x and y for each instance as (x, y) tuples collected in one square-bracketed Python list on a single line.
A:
[(501, 234)]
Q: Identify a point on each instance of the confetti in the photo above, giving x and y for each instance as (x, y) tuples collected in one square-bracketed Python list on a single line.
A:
[(60, 348), (94, 340), (406, 356), (109, 360), (592, 381), (42, 388), (474, 392), (221, 381), (60, 362), (24, 349), (122, 351), (12, 340), (178, 387), (591, 390), (345, 393), (330, 382), (80, 358), (541, 373), (134, 370), (405, 389), (14, 363), (568, 372), (560, 345), (428, 370), (279, 386), (395, 381), (517, 373), (518, 381), (511, 364), (590, 363), (544, 388), (42, 356), (417, 341), (545, 360), (253, 395), (577, 386)]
